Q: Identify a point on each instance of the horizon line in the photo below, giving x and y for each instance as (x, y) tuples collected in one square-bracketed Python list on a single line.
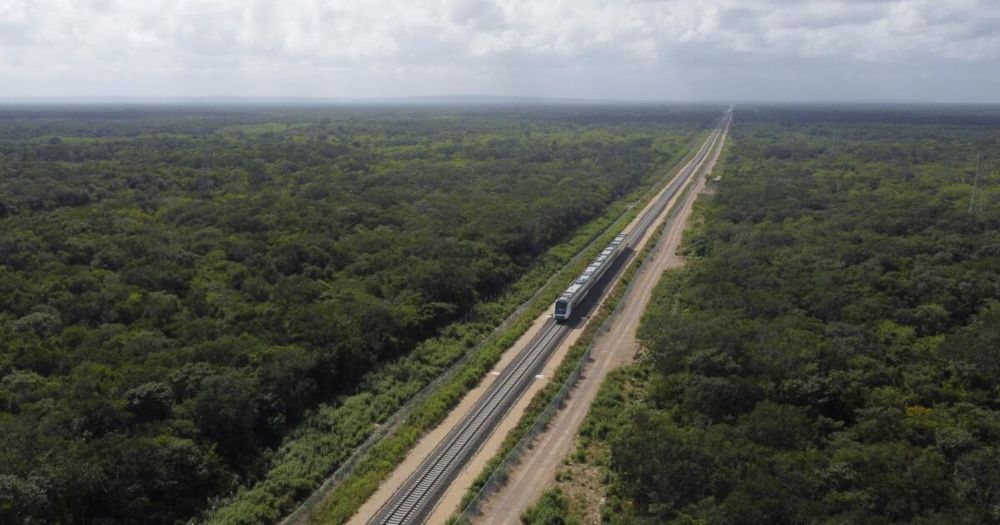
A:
[(432, 100)]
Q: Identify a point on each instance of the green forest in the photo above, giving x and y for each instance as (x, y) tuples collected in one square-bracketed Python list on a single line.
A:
[(831, 352), (181, 286)]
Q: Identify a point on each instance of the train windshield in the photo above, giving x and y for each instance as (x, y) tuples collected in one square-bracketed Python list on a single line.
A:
[(560, 307)]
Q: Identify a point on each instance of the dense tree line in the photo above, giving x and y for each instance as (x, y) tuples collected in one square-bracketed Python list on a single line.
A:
[(832, 352), (178, 286)]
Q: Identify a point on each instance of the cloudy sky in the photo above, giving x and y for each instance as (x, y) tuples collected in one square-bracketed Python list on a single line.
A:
[(934, 50)]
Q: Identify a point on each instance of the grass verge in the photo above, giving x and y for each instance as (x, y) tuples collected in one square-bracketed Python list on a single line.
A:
[(571, 361), (353, 491)]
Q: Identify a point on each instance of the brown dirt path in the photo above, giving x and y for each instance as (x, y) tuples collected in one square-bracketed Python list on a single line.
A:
[(538, 466)]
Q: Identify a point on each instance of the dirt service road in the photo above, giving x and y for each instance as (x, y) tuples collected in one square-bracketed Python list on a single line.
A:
[(538, 467)]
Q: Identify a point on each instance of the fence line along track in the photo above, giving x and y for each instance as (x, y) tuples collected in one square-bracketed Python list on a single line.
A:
[(418, 495), (393, 422), (415, 498)]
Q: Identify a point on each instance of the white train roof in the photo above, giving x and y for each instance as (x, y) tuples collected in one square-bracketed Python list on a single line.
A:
[(595, 265)]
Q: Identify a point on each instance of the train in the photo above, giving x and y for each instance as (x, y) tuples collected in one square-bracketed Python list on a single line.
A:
[(586, 280)]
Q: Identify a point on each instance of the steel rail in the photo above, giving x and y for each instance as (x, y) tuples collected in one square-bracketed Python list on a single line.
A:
[(410, 504)]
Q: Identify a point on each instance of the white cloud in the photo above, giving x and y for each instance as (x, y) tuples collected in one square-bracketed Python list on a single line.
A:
[(658, 49)]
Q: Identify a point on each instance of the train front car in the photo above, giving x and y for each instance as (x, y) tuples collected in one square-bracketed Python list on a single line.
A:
[(565, 302), (562, 310)]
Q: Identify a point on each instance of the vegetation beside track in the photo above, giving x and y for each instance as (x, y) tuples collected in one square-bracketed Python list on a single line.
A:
[(829, 353), (205, 309), (571, 362)]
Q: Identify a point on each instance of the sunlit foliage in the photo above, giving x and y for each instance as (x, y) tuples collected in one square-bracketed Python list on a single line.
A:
[(831, 353), (179, 286)]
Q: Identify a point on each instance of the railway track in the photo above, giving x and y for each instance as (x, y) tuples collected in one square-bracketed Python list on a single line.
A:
[(416, 498)]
